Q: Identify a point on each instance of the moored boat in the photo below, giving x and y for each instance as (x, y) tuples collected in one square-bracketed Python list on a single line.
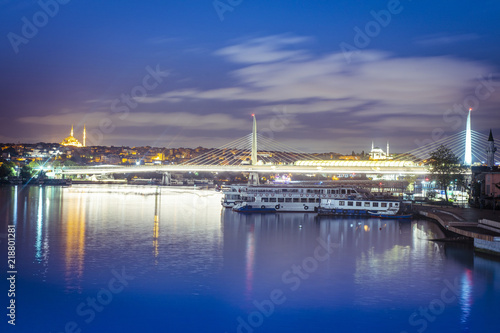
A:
[(359, 207), (246, 208), (287, 198)]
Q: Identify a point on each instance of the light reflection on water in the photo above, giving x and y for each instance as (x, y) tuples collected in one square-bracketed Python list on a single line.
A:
[(217, 263)]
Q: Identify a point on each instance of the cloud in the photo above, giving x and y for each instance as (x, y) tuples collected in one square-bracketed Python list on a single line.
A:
[(264, 50), (445, 38)]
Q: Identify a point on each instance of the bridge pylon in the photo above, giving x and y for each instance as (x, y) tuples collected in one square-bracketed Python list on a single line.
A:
[(253, 177), (166, 178)]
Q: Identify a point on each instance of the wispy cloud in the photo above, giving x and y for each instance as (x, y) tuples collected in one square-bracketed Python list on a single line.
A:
[(265, 49), (445, 38)]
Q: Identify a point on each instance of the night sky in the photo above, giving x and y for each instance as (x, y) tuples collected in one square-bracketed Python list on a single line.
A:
[(319, 75)]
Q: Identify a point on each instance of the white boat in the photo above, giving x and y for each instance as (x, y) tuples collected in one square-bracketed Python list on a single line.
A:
[(231, 195), (286, 198), (359, 207)]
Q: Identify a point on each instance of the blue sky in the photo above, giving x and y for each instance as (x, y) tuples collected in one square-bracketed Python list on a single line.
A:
[(320, 75)]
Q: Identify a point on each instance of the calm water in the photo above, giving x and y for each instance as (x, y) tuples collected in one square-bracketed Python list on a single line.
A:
[(94, 259)]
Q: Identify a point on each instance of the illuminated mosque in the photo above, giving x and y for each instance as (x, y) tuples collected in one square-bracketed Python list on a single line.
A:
[(378, 154), (72, 141)]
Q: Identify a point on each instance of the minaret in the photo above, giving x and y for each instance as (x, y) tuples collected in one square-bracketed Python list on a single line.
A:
[(387, 149), (372, 145), (468, 151), (490, 151), (84, 135), (71, 130)]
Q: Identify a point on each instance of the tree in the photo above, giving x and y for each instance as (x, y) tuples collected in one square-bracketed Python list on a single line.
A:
[(26, 172), (445, 167), (7, 169), (411, 179)]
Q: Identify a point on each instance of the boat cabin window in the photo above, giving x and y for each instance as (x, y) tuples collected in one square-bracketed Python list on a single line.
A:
[(281, 200), (375, 204), (350, 203), (343, 191), (312, 200), (341, 203), (296, 200), (390, 204), (265, 200), (272, 199), (396, 204), (367, 204), (383, 204), (358, 204), (303, 199), (318, 200), (288, 199)]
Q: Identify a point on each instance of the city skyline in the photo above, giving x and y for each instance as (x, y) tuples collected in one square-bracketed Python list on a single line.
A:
[(319, 77)]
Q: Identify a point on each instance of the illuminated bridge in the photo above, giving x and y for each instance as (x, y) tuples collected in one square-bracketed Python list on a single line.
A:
[(244, 157)]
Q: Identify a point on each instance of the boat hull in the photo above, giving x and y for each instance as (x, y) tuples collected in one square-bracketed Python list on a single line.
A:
[(249, 210), (397, 216)]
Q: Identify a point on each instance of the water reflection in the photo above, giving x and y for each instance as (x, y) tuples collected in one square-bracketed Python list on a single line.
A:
[(14, 205), (39, 226), (250, 257), (218, 262), (466, 295), (75, 243), (156, 226)]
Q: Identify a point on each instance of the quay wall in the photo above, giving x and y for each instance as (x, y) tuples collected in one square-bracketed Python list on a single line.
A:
[(487, 246)]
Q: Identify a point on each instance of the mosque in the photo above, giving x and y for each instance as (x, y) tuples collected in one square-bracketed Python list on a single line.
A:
[(378, 154), (72, 141)]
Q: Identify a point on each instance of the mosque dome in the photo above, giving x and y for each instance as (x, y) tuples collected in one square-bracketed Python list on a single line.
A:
[(72, 141)]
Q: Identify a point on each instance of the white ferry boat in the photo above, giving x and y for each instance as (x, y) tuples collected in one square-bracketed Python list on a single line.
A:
[(362, 207), (286, 198), (231, 195)]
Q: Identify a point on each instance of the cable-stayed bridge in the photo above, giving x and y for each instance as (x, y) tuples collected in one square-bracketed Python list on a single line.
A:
[(255, 153)]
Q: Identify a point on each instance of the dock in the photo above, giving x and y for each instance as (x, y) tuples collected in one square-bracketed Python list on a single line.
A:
[(480, 225)]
